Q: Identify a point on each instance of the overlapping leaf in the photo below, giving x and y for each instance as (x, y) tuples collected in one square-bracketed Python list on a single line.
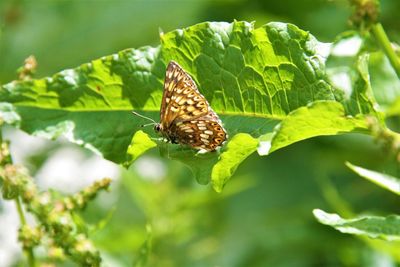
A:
[(383, 180), (386, 228)]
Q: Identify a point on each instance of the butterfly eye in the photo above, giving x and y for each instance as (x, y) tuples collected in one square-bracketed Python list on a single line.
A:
[(157, 127)]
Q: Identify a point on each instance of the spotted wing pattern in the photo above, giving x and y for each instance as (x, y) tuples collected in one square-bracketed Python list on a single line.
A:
[(186, 116)]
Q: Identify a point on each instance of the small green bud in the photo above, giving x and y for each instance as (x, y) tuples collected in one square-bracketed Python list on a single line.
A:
[(5, 157), (56, 253), (365, 13), (86, 251), (29, 236), (80, 200), (15, 177)]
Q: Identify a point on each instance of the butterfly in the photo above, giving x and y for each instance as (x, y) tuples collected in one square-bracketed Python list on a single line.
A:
[(185, 115)]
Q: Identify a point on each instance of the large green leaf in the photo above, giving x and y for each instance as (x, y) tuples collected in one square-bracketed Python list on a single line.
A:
[(254, 78)]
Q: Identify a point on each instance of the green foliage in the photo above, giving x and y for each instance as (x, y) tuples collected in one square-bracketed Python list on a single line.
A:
[(387, 228), (140, 144), (272, 85), (269, 73), (318, 118), (383, 180), (239, 148)]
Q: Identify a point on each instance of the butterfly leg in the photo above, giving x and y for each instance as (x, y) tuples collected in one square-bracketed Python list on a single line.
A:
[(168, 151)]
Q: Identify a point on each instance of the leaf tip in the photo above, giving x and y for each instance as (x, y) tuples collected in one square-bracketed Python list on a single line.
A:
[(326, 218)]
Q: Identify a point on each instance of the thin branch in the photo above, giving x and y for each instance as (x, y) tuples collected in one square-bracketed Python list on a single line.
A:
[(381, 37), (28, 251)]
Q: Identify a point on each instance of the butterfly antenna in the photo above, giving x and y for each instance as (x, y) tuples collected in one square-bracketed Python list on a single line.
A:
[(144, 117), (144, 125)]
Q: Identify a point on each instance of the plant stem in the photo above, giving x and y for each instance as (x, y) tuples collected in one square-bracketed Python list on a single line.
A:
[(381, 37), (29, 251)]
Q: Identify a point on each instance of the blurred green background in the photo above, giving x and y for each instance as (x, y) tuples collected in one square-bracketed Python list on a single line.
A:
[(65, 34), (264, 215)]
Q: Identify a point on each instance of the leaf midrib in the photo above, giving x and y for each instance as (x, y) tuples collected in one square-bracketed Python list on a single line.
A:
[(251, 115)]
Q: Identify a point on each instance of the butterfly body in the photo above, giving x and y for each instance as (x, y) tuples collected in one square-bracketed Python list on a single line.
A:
[(185, 115)]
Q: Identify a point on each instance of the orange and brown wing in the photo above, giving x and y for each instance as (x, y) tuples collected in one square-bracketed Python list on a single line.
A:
[(181, 99), (203, 133)]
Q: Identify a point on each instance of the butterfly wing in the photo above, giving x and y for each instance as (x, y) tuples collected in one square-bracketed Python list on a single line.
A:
[(186, 116), (200, 134), (181, 99)]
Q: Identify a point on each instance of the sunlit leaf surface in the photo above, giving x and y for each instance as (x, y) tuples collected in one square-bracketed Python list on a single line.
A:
[(269, 81)]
